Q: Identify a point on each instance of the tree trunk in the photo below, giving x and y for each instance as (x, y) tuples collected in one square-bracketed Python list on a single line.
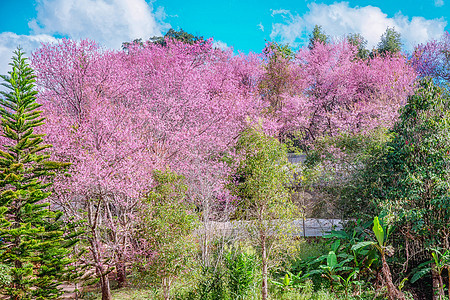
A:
[(121, 274), (264, 293), (448, 273), (106, 290), (76, 291), (438, 284), (441, 288), (94, 241), (166, 288), (394, 293)]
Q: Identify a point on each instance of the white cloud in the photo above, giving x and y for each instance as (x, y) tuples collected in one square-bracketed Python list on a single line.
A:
[(260, 26), (438, 3), (109, 22), (220, 45), (9, 42), (280, 12), (292, 31), (339, 19)]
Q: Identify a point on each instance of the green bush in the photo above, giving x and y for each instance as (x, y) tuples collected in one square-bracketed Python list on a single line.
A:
[(5, 275), (240, 268)]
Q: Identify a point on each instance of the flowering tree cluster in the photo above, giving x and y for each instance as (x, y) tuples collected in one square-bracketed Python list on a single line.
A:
[(334, 103), (335, 91), (433, 59), (119, 115)]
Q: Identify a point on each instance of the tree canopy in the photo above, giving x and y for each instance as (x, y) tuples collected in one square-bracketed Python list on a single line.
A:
[(390, 42)]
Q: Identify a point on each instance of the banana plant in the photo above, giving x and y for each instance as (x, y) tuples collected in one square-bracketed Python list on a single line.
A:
[(332, 269), (381, 235), (291, 281), (440, 261), (363, 259), (347, 282)]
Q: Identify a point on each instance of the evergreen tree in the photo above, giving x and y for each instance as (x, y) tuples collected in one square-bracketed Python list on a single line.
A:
[(390, 42), (34, 244), (357, 40), (180, 35), (172, 34), (317, 36)]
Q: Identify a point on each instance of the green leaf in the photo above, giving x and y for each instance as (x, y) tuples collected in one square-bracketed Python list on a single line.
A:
[(352, 275), (435, 258), (286, 280), (315, 272), (420, 274), (331, 259), (378, 230), (336, 234), (362, 245), (335, 245)]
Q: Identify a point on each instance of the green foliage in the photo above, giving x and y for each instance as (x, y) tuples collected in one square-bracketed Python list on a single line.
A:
[(335, 269), (420, 271), (317, 36), (231, 275), (34, 245), (212, 284), (381, 235), (180, 35), (390, 42), (276, 79), (440, 260), (334, 168), (360, 43), (291, 282), (262, 179), (379, 231), (172, 34), (166, 230), (343, 267), (279, 51), (5, 275), (241, 271), (307, 292), (263, 176), (410, 179)]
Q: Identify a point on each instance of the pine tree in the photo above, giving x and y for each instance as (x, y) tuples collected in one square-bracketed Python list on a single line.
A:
[(33, 243), (390, 42), (317, 36)]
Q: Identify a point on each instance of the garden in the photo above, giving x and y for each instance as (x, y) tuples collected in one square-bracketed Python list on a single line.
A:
[(163, 170)]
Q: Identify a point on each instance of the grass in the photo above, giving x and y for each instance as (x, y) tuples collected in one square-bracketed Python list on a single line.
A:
[(130, 293)]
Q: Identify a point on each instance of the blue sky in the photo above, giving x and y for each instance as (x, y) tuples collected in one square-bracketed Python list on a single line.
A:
[(243, 25)]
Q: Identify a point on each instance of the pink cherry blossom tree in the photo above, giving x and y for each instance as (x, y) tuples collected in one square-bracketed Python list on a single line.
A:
[(117, 116), (91, 127), (196, 100), (334, 105), (338, 92)]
